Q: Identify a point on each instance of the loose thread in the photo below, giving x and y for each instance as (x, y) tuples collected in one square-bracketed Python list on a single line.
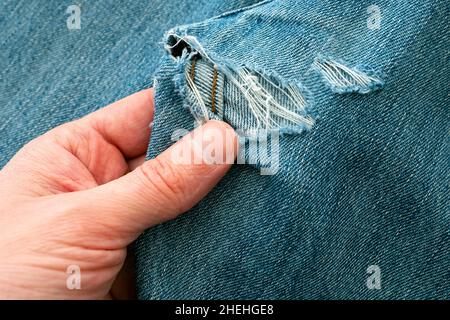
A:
[(213, 90)]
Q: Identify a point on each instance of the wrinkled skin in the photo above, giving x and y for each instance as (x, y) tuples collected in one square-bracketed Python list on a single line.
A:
[(81, 193)]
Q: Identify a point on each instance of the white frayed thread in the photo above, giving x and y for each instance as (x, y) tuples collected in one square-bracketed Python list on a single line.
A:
[(343, 77), (198, 98), (191, 40), (262, 104)]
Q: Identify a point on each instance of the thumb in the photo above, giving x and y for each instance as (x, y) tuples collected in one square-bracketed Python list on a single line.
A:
[(166, 186)]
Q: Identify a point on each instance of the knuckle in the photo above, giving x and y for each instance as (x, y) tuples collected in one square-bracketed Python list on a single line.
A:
[(167, 180)]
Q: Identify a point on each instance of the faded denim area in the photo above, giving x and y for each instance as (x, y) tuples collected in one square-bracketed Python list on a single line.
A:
[(50, 74), (366, 185)]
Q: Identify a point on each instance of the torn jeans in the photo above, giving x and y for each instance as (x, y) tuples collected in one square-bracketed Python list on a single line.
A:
[(358, 206)]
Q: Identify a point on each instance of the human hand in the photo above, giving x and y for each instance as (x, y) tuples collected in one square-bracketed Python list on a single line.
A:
[(81, 193)]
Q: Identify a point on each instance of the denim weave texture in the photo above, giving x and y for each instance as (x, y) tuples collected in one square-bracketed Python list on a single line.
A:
[(367, 184)]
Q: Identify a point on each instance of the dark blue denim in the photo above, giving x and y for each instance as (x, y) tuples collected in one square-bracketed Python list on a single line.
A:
[(367, 186), (50, 74)]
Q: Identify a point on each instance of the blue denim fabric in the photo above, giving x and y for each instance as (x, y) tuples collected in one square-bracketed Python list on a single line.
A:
[(50, 74), (366, 185)]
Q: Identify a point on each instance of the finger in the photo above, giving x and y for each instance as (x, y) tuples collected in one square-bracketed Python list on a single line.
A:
[(164, 187), (125, 123), (123, 287), (136, 162)]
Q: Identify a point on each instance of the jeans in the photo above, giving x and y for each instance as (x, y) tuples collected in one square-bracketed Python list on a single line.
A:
[(351, 201), (358, 205), (51, 72)]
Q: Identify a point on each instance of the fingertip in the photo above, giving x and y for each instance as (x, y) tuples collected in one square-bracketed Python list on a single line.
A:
[(213, 143), (149, 93), (225, 139)]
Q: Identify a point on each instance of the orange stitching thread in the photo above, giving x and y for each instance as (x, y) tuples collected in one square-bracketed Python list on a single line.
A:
[(213, 90), (194, 62)]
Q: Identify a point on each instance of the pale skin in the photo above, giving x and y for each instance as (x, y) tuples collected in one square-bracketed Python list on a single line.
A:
[(81, 193)]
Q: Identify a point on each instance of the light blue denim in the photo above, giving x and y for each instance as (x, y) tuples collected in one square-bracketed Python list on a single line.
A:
[(365, 188)]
